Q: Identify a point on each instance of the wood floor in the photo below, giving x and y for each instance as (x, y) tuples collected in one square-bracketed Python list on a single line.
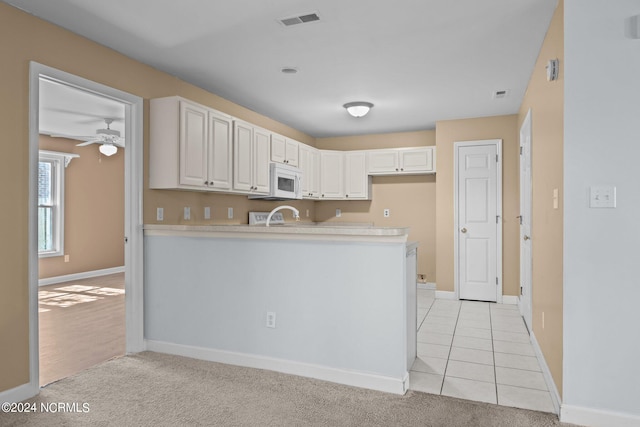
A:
[(82, 324)]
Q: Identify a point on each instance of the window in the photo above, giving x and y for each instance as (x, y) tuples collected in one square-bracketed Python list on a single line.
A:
[(51, 166)]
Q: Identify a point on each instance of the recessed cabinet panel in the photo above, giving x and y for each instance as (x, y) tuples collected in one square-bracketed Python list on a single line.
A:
[(220, 135), (331, 174), (292, 152), (402, 161), (356, 178), (242, 156), (193, 145), (278, 148), (261, 161)]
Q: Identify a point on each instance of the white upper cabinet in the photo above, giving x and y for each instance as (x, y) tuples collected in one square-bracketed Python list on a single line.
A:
[(251, 158), (284, 150), (399, 161), (356, 181), (190, 146), (331, 174), (309, 163)]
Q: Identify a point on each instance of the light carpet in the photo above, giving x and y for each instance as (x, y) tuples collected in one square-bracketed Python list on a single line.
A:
[(152, 389)]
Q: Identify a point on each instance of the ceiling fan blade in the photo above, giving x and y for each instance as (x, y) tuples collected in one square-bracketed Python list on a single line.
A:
[(93, 141)]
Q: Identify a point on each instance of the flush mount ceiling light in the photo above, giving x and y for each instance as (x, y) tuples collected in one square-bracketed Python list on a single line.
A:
[(358, 109), (108, 149)]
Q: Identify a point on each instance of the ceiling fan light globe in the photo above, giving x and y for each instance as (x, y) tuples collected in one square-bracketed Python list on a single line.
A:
[(108, 149)]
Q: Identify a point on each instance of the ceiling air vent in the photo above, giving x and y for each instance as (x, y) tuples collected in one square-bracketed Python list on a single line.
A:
[(300, 19)]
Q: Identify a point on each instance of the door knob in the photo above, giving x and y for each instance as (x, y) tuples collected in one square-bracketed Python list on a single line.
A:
[(464, 230), (526, 237)]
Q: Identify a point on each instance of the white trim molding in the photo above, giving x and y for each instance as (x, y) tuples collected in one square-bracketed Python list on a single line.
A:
[(427, 285), (446, 295), (546, 372), (17, 394), (340, 376), (79, 276), (510, 299), (596, 418)]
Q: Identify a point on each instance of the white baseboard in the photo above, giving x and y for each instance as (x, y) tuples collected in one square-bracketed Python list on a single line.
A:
[(427, 285), (546, 372), (79, 276), (596, 418), (510, 299), (356, 379), (446, 295), (18, 394)]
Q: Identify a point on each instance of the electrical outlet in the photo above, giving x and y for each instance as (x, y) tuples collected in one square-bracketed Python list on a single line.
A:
[(386, 213), (543, 320), (66, 258), (160, 214), (207, 212), (271, 319), (338, 213), (187, 213), (230, 213), (307, 213)]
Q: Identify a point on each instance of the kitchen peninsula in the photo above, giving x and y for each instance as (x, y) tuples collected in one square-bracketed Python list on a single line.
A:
[(333, 302)]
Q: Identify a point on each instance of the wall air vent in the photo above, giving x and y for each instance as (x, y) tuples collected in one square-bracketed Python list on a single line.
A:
[(300, 19)]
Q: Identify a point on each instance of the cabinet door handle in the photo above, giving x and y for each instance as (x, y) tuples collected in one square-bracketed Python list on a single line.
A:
[(206, 183)]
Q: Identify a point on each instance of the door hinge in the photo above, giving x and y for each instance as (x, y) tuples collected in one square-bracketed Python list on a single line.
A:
[(497, 158), (520, 290), (521, 150), (496, 281), (519, 219), (497, 219)]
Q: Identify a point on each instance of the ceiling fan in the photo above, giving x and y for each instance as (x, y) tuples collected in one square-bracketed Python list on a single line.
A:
[(109, 139)]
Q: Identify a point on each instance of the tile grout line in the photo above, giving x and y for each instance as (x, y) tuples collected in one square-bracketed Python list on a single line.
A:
[(444, 374)]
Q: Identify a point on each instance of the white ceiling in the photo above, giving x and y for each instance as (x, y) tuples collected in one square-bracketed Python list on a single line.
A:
[(417, 61)]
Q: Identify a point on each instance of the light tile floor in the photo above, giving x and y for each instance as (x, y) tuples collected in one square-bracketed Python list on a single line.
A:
[(477, 351)]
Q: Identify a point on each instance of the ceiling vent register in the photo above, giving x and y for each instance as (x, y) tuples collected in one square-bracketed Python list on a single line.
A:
[(301, 19)]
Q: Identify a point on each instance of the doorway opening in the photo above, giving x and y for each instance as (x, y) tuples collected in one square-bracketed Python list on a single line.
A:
[(46, 238)]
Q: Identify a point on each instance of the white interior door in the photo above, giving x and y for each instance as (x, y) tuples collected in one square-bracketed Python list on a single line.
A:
[(477, 196), (525, 220)]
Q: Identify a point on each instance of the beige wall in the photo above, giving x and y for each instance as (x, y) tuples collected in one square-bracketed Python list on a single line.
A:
[(93, 212), (24, 38), (546, 100), (448, 132), (410, 198)]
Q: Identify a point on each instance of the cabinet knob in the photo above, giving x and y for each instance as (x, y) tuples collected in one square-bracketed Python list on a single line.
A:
[(401, 169), (323, 195), (206, 183), (396, 169), (346, 195)]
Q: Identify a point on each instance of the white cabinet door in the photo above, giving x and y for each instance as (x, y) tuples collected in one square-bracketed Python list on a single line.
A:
[(417, 160), (309, 163), (291, 152), (278, 148), (220, 150), (193, 145), (242, 156), (314, 185), (331, 174), (383, 161), (356, 178), (260, 160)]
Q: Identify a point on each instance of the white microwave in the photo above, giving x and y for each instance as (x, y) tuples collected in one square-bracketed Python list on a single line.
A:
[(285, 183)]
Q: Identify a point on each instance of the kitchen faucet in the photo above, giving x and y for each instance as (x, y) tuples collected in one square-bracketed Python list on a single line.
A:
[(296, 213)]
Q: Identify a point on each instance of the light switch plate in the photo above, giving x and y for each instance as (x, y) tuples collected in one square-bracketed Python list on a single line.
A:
[(160, 214), (338, 213), (207, 212), (187, 213), (602, 196), (230, 213)]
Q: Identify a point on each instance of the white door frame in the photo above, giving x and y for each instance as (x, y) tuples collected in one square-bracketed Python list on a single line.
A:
[(456, 227), (526, 309), (133, 238)]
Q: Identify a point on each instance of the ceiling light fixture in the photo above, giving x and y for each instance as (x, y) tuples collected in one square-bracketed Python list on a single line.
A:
[(358, 109), (108, 149)]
